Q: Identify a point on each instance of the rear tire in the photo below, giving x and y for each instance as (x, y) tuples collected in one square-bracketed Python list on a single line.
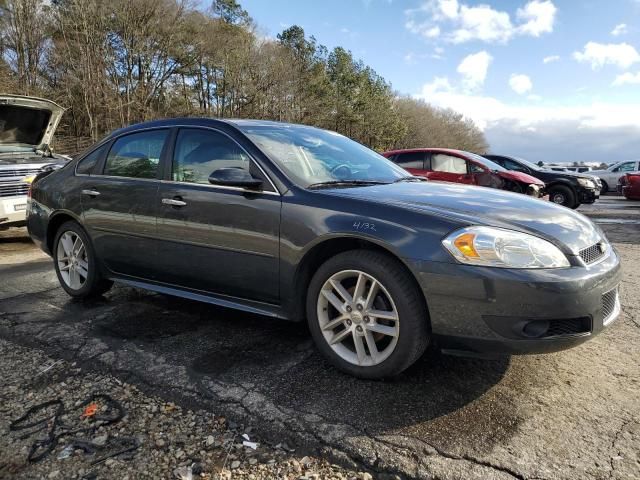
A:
[(605, 187), (366, 315), (563, 195), (75, 263)]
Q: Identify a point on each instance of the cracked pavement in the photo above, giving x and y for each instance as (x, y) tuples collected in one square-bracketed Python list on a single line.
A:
[(573, 414)]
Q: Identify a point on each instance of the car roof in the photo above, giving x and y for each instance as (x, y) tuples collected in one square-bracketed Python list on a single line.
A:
[(429, 149), (204, 121)]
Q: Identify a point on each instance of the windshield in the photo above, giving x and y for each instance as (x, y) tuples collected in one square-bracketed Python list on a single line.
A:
[(486, 162), (529, 164), (310, 156)]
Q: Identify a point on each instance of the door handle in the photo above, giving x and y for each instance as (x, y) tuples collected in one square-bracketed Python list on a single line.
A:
[(91, 193), (173, 202)]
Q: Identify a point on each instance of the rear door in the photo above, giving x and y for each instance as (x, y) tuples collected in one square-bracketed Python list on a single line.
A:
[(119, 202), (449, 168), (213, 238), (413, 162)]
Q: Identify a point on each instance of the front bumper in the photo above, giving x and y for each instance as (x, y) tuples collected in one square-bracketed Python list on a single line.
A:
[(13, 211), (494, 310), (588, 195)]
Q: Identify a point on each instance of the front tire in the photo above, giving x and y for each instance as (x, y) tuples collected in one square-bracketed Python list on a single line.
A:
[(563, 195), (75, 263), (366, 314), (605, 187)]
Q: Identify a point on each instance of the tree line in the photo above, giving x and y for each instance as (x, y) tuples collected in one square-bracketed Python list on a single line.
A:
[(124, 61)]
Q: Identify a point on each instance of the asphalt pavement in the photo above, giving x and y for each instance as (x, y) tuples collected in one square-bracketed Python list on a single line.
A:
[(571, 415)]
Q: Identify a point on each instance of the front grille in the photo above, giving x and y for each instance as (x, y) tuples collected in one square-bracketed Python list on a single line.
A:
[(568, 326), (593, 253), (13, 189), (610, 305), (18, 172)]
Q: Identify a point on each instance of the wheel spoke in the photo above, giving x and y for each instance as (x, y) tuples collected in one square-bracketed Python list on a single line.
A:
[(65, 267), (80, 251), (371, 343), (75, 245), (333, 300), (360, 284), (83, 264), (357, 340), (383, 315), (371, 295), (81, 272), (67, 244), (383, 329), (330, 325), (337, 286), (338, 337)]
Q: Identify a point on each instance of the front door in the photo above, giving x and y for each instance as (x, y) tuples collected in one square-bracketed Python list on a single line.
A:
[(119, 203), (449, 168), (222, 240)]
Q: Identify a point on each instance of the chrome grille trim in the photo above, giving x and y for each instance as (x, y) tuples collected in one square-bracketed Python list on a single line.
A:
[(18, 172), (610, 306), (13, 189)]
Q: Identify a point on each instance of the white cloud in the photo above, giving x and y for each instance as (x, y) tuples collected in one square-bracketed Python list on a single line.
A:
[(482, 22), (620, 29), (598, 55), (627, 79), (551, 58), (520, 84), (538, 17), (473, 69)]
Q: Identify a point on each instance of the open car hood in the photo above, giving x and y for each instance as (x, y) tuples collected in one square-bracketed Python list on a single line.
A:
[(27, 121)]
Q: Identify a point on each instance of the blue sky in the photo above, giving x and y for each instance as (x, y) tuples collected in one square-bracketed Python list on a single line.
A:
[(487, 60)]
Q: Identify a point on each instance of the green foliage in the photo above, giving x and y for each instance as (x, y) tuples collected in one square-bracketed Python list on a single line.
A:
[(120, 62)]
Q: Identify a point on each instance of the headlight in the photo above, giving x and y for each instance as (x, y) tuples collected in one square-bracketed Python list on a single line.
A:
[(497, 247), (586, 182)]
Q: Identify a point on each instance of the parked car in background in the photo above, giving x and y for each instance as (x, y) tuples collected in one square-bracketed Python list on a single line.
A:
[(564, 188), (631, 186), (579, 169), (295, 222), (611, 175), (27, 125), (457, 166)]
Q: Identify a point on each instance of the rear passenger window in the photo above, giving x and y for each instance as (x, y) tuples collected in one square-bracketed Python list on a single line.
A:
[(410, 160), (136, 155), (448, 163), (86, 165)]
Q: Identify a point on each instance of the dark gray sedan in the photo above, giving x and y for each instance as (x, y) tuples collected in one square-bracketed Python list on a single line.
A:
[(295, 222)]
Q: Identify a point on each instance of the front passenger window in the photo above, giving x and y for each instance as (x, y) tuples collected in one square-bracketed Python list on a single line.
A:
[(199, 153), (136, 155)]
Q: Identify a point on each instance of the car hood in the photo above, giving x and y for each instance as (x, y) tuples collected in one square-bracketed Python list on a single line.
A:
[(588, 176), (569, 230), (520, 177), (27, 122)]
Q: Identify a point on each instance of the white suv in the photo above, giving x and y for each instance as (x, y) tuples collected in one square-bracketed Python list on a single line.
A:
[(611, 175), (27, 125)]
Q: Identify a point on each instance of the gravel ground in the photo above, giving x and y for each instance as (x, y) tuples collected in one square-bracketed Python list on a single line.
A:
[(174, 442)]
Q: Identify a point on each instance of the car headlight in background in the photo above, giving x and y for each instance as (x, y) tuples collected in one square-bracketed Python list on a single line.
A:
[(586, 182), (497, 247)]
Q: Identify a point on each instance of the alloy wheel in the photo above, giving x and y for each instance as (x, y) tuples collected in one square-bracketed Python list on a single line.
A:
[(559, 198), (72, 260), (358, 318)]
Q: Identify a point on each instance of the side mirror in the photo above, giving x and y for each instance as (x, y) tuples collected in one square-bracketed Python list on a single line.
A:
[(234, 177)]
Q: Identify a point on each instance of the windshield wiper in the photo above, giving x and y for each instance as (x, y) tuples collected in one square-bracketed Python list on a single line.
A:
[(413, 178), (346, 183)]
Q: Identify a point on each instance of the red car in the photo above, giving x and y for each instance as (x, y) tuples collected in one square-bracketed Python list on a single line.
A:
[(631, 186), (464, 167)]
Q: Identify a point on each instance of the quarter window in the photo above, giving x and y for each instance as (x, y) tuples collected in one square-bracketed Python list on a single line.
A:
[(136, 155), (87, 164), (410, 160), (448, 163), (199, 153)]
